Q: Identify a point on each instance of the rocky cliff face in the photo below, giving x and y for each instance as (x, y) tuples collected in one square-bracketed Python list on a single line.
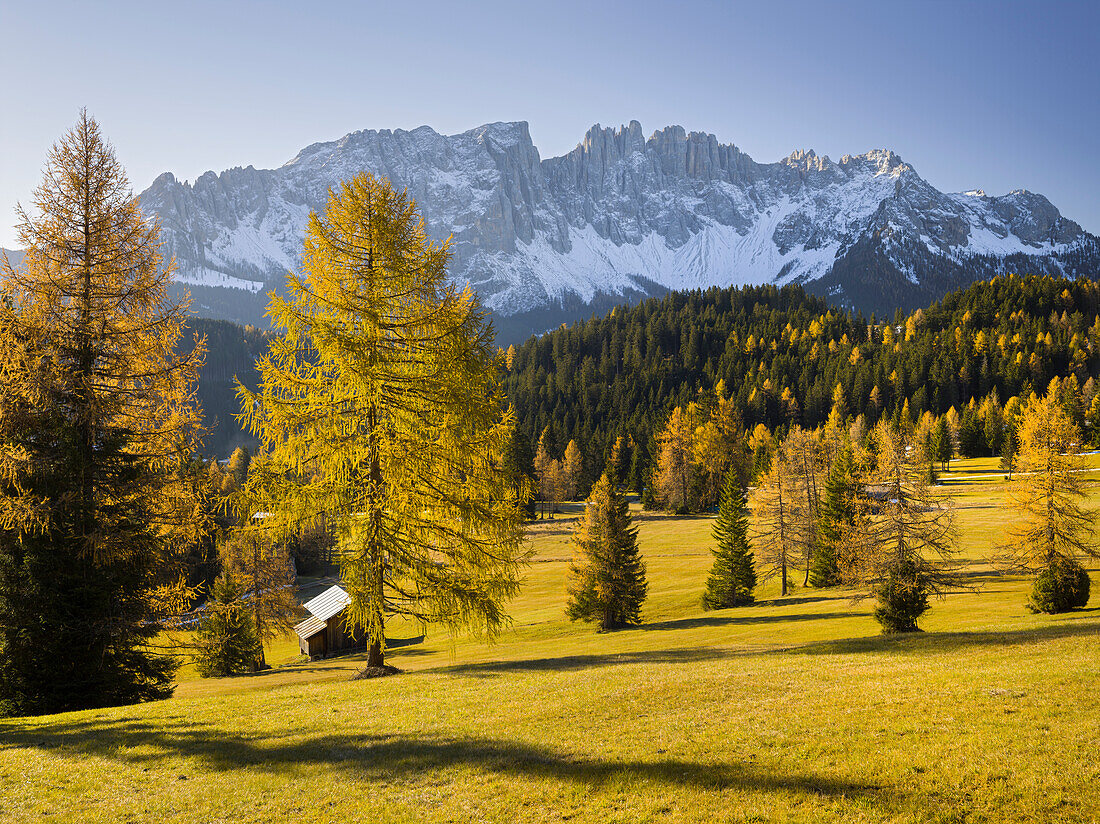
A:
[(623, 214)]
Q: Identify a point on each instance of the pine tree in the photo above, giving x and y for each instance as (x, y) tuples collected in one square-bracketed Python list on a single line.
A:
[(732, 577), (380, 406), (226, 642), (1054, 531), (519, 461), (97, 425), (837, 516), (607, 580), (639, 470)]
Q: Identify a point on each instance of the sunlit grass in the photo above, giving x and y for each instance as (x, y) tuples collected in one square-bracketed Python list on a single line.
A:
[(795, 709)]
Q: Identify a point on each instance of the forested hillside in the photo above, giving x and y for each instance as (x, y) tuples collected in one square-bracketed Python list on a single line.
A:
[(782, 353), (231, 352)]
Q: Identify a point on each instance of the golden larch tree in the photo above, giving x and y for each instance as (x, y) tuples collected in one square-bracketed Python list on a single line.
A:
[(901, 542), (380, 406), (777, 517), (1054, 530), (674, 476), (98, 422), (572, 469)]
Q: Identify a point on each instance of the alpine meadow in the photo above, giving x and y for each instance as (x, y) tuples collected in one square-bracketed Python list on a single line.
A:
[(449, 473)]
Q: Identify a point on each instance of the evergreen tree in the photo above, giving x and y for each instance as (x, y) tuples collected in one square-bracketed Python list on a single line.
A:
[(639, 469), (519, 461), (733, 575), (837, 517), (1054, 530), (941, 443), (572, 469), (607, 580), (98, 500), (226, 643), (380, 407)]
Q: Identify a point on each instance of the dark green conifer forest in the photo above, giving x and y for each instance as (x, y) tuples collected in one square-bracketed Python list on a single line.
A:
[(621, 374)]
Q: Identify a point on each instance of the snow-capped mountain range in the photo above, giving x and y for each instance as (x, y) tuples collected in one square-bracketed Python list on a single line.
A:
[(624, 215)]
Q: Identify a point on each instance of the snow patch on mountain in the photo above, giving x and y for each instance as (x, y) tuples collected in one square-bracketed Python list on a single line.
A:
[(620, 213)]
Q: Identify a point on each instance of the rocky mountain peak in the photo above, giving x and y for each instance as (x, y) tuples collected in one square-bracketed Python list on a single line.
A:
[(620, 215)]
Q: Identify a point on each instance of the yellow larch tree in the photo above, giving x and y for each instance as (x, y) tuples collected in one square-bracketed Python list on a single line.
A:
[(675, 477), (380, 406), (1054, 530), (98, 423)]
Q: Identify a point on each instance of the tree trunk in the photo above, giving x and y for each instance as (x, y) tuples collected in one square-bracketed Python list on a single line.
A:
[(261, 661), (376, 657)]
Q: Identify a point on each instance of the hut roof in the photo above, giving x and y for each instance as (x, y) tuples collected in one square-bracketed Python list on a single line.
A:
[(310, 627), (328, 603)]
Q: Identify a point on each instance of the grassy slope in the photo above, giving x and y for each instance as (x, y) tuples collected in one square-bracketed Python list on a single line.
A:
[(791, 710)]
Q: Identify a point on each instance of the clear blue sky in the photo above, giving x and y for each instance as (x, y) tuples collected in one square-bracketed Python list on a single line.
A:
[(992, 95)]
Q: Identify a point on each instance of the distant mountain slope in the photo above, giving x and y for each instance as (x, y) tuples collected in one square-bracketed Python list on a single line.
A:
[(781, 353), (15, 256), (623, 215)]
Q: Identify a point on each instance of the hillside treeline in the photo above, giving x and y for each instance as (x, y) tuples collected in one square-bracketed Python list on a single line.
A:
[(782, 353), (231, 353)]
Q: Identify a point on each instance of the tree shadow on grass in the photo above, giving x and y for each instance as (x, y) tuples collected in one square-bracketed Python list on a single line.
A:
[(940, 642), (787, 600), (385, 757), (732, 619), (573, 663)]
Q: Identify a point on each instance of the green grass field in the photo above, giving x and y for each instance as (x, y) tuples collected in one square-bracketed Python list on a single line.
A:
[(795, 709)]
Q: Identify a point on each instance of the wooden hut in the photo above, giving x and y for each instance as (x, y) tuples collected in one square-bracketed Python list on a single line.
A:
[(326, 632)]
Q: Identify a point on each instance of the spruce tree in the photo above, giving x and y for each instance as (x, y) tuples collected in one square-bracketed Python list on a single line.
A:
[(837, 515), (97, 426), (942, 448), (607, 582), (732, 577), (226, 642)]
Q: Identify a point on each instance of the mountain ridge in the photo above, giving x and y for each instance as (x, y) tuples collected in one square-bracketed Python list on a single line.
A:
[(625, 215)]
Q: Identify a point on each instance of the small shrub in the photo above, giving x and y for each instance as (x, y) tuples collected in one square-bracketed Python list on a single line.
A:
[(1062, 586), (902, 599)]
